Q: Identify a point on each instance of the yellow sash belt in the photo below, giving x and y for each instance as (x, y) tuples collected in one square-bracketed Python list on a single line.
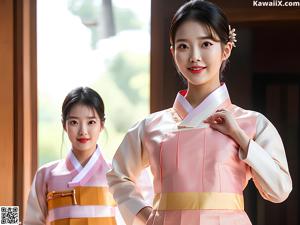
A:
[(90, 221), (195, 200), (80, 196)]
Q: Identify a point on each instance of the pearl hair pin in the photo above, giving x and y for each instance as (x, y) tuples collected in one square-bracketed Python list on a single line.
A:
[(232, 36)]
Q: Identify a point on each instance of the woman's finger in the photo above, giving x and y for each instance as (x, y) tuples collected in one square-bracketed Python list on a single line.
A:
[(221, 110), (215, 119)]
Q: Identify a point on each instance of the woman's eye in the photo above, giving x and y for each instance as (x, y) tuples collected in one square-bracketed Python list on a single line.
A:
[(91, 122), (182, 46), (73, 122), (206, 44)]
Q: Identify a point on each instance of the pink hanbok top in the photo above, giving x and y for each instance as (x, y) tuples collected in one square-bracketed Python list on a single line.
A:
[(63, 192), (199, 173)]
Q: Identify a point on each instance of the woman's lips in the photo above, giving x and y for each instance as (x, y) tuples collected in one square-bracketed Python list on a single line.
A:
[(196, 69), (83, 140)]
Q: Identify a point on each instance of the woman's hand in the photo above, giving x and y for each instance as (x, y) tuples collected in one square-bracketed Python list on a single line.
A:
[(223, 121)]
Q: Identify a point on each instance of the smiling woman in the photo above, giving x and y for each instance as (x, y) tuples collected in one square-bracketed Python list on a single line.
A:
[(74, 189), (83, 120), (203, 150), (199, 56)]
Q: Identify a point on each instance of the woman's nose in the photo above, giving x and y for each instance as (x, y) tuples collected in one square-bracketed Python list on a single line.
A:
[(195, 55), (82, 130)]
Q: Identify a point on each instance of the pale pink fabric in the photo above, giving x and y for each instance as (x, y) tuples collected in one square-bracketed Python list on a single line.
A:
[(56, 176), (186, 155), (201, 160)]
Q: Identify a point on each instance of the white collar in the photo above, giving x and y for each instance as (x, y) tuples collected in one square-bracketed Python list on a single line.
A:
[(85, 171), (193, 117)]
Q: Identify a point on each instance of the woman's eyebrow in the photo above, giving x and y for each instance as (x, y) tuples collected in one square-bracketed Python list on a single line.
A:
[(201, 38), (76, 117)]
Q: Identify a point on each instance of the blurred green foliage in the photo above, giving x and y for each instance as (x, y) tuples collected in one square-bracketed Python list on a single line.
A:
[(124, 70)]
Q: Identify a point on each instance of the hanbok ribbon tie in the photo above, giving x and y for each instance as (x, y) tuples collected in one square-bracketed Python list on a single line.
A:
[(60, 194), (80, 196)]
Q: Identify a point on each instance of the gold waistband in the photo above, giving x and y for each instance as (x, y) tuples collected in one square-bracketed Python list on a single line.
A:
[(90, 221), (196, 200), (80, 196)]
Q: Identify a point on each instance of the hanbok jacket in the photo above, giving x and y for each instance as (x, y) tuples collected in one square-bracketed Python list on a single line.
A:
[(199, 173), (65, 193)]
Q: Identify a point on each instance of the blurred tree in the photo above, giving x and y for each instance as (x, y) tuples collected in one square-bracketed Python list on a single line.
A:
[(103, 19), (126, 19), (97, 15), (49, 130), (124, 68)]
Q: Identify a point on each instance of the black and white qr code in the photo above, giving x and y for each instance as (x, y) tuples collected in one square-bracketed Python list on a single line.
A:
[(9, 215)]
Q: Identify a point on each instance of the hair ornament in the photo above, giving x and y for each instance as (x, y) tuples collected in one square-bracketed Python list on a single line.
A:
[(232, 36)]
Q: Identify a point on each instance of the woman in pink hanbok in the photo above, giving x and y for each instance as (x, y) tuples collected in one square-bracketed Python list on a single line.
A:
[(204, 149), (74, 190)]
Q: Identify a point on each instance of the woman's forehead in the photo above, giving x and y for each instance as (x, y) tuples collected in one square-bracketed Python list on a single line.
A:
[(82, 110), (194, 29)]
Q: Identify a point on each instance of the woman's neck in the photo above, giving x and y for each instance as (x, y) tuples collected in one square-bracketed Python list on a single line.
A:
[(83, 156), (197, 93)]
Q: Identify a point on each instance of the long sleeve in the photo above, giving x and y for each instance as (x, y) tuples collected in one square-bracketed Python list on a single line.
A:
[(35, 213), (145, 185), (129, 160), (267, 159)]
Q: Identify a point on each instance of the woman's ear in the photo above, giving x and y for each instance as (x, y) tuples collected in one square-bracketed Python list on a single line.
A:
[(102, 125), (64, 125), (227, 50), (172, 50)]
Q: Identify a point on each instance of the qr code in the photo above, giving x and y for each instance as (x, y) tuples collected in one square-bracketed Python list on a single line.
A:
[(9, 215)]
